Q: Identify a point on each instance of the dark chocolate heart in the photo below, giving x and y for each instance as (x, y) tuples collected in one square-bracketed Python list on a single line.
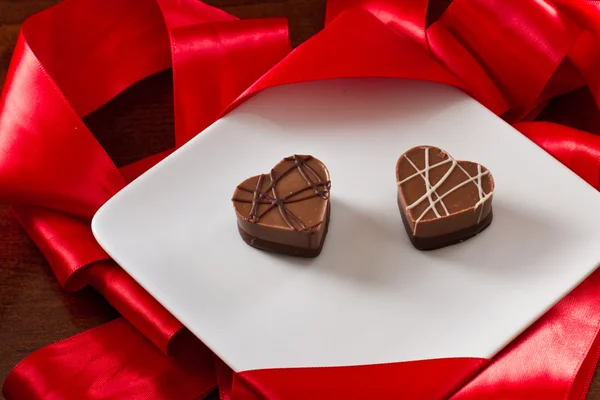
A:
[(442, 201), (287, 210)]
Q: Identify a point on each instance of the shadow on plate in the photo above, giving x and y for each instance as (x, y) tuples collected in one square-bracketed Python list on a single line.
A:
[(515, 240), (364, 101), (357, 246)]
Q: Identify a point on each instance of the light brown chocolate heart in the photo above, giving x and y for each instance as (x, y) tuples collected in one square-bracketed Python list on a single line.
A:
[(442, 201), (287, 210)]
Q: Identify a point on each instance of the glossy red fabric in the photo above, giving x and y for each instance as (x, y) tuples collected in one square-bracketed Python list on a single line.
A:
[(84, 367), (117, 43), (548, 361), (555, 358), (423, 379), (512, 55), (68, 61)]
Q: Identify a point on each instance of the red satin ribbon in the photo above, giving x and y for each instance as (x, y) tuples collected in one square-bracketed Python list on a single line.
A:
[(112, 361), (69, 60), (423, 379), (513, 56)]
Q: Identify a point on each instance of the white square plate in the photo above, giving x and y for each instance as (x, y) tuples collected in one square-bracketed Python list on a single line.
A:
[(370, 297)]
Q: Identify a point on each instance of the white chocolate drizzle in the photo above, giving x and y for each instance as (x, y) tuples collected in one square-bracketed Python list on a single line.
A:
[(431, 190)]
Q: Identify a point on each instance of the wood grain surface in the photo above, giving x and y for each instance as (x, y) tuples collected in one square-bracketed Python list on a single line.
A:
[(34, 311)]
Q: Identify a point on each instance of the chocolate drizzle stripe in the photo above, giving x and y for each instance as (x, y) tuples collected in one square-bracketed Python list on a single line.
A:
[(482, 195), (285, 213), (431, 190), (311, 183), (320, 187), (255, 199), (428, 183), (269, 201)]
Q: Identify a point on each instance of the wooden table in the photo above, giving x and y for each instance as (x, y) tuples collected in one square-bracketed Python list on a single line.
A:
[(34, 311)]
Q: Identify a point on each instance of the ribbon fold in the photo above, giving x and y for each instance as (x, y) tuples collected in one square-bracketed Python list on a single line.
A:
[(514, 56)]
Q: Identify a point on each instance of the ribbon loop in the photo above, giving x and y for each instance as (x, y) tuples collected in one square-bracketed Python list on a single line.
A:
[(72, 59), (512, 55)]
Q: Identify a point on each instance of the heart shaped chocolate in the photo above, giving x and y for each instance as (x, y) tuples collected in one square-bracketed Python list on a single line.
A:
[(287, 210), (442, 201)]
